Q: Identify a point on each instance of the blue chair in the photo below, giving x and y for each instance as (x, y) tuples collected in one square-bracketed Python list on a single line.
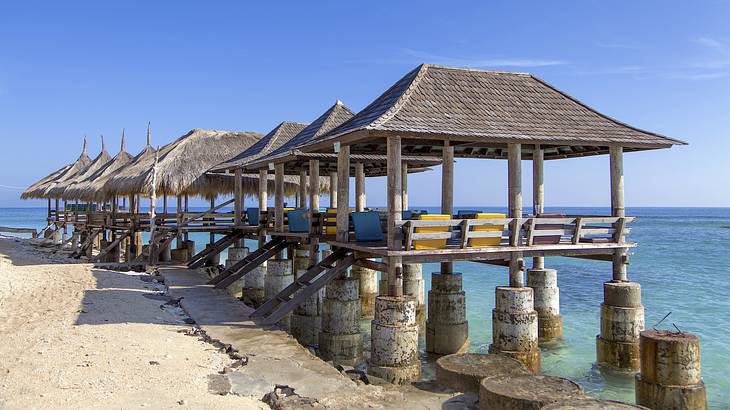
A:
[(252, 214), (467, 214), (298, 221), (407, 214), (367, 226)]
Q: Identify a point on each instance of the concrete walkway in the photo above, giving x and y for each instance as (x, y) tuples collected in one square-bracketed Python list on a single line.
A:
[(276, 359)]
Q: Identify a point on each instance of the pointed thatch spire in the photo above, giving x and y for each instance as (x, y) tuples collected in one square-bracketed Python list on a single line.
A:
[(83, 150), (149, 140), (102, 142), (122, 147)]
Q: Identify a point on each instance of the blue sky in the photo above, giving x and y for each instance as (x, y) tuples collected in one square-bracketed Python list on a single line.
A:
[(69, 69)]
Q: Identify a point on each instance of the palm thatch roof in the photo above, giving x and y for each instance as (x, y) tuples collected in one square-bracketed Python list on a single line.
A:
[(277, 137), (39, 189), (182, 164), (90, 187), (58, 190), (334, 116), (480, 112)]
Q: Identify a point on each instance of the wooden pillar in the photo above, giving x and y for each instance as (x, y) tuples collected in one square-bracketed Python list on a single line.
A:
[(279, 201), (516, 277), (313, 208), (263, 203), (179, 214), (57, 206), (238, 201), (186, 236), (395, 264), (343, 193), (49, 211), (359, 187), (212, 235), (404, 186), (538, 193), (617, 208), (447, 192), (302, 188), (333, 189)]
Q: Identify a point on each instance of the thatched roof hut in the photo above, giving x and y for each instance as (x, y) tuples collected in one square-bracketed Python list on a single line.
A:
[(182, 165), (38, 190), (89, 188), (58, 190)]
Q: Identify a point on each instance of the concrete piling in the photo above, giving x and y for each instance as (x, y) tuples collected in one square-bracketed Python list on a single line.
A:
[(235, 254), (340, 340), (254, 284), (394, 340), (514, 326), (368, 289), (214, 260), (544, 283), (464, 371), (278, 276), (306, 320), (622, 320), (413, 286), (447, 330), (670, 375), (527, 392)]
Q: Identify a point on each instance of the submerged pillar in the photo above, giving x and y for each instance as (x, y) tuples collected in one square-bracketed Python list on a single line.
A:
[(544, 283), (670, 375), (447, 330), (622, 320), (236, 254), (514, 326), (306, 320), (413, 287), (278, 276), (254, 284), (368, 279), (340, 340), (394, 340)]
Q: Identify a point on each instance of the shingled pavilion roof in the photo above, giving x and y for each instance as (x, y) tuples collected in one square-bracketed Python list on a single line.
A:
[(481, 111)]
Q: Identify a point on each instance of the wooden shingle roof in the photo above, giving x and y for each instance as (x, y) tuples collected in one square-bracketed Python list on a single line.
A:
[(488, 107), (277, 137)]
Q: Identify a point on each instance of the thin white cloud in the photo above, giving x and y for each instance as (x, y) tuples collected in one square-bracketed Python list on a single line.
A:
[(480, 62), (698, 76), (714, 44)]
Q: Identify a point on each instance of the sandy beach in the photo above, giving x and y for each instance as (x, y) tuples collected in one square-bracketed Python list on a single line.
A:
[(78, 337)]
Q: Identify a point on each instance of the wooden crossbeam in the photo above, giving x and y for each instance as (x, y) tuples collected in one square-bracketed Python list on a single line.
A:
[(251, 261)]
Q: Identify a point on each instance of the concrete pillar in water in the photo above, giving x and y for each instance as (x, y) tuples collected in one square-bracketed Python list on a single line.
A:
[(214, 260), (236, 254), (278, 276), (622, 320), (368, 289), (413, 286), (340, 340), (447, 330), (670, 375), (306, 320), (253, 286), (544, 283), (166, 253), (394, 343), (514, 326)]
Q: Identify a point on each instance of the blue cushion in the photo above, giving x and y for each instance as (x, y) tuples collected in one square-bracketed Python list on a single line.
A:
[(253, 216), (298, 221), (407, 214), (367, 226), (464, 213)]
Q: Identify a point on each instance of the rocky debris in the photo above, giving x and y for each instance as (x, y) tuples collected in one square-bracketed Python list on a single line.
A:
[(284, 397), (219, 384)]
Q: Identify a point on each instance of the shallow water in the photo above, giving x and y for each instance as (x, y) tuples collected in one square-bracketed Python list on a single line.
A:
[(680, 263)]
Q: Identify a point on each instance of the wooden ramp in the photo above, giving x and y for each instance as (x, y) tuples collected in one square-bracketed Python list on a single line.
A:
[(314, 279), (201, 257), (251, 261)]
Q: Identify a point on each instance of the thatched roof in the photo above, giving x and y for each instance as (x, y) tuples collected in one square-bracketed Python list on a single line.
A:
[(277, 137), (482, 111), (213, 185), (334, 116), (90, 187), (58, 190), (40, 188), (182, 164)]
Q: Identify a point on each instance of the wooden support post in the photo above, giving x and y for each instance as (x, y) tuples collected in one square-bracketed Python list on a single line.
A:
[(617, 208), (538, 193), (212, 235), (263, 203), (343, 194), (313, 207), (404, 186), (238, 201), (395, 264), (333, 189), (279, 201), (516, 266), (302, 189), (186, 236), (360, 187), (447, 192), (179, 212)]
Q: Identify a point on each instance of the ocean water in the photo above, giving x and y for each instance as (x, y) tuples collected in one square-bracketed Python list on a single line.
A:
[(680, 263)]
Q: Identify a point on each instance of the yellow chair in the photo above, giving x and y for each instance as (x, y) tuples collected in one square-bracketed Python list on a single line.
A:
[(480, 242), (422, 244), (332, 230)]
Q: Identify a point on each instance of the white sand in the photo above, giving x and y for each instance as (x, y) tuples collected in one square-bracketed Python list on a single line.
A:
[(72, 336)]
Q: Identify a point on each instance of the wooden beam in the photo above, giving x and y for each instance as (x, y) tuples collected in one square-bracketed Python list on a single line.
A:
[(359, 187), (516, 276), (263, 203), (538, 193), (343, 193), (404, 186), (447, 191), (395, 264), (333, 189), (616, 159), (313, 207), (302, 188)]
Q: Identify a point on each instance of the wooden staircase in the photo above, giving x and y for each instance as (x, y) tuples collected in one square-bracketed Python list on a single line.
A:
[(201, 257), (247, 264)]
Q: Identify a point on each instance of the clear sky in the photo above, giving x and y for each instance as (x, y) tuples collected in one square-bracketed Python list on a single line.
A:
[(74, 68)]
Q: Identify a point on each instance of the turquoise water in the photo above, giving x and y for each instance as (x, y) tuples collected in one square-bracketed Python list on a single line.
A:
[(680, 263)]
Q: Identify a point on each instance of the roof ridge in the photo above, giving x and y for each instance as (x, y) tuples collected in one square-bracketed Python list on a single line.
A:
[(330, 118), (402, 99), (480, 70)]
